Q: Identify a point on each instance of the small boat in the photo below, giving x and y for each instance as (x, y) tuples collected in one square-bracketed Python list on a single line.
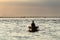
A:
[(30, 27), (33, 28)]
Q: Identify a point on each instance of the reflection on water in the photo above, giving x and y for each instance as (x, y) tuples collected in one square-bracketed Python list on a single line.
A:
[(17, 29)]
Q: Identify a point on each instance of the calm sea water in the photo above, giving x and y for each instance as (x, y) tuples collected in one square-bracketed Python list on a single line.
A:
[(17, 29)]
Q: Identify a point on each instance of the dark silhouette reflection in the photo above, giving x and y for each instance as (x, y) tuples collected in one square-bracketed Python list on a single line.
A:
[(33, 27)]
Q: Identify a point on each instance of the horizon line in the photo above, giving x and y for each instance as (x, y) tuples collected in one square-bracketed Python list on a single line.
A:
[(31, 17)]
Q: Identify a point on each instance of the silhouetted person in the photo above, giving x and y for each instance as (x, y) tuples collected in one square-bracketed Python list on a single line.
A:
[(33, 27), (33, 24)]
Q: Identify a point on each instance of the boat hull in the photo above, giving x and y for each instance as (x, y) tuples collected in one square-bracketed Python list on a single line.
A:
[(31, 29)]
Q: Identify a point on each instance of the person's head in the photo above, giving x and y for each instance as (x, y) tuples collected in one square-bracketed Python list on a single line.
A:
[(32, 21)]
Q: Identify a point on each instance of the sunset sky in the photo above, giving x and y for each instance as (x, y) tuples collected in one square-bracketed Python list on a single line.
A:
[(16, 8)]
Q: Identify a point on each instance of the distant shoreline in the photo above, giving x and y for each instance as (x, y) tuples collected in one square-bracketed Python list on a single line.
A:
[(32, 17)]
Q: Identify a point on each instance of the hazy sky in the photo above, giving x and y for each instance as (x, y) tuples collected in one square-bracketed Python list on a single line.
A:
[(29, 8)]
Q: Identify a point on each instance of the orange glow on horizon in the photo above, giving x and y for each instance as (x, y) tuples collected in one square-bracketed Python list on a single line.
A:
[(14, 0)]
